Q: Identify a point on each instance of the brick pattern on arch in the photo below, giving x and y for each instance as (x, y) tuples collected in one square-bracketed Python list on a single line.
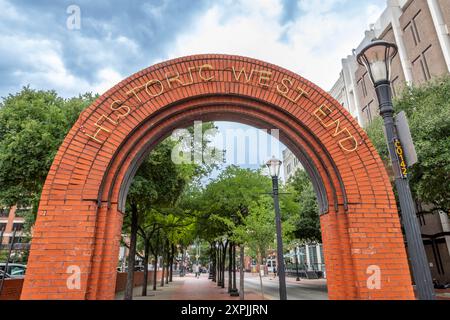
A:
[(79, 220)]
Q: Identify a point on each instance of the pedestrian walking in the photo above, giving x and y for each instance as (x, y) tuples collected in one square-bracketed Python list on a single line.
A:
[(196, 271)]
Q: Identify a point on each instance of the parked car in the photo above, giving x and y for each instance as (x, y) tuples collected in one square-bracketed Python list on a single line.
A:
[(14, 270)]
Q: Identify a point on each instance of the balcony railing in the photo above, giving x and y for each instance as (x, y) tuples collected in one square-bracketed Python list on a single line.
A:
[(4, 212)]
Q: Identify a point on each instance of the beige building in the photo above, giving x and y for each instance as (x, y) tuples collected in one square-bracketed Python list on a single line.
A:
[(290, 164), (421, 30)]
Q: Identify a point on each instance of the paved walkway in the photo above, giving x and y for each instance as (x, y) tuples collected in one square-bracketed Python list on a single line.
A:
[(191, 288), (188, 288)]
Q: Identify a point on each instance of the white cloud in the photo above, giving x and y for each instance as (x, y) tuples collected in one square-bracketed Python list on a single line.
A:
[(106, 79), (312, 45), (42, 66), (8, 12)]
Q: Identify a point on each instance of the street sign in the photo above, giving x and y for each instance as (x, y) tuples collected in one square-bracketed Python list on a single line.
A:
[(404, 134), (401, 158)]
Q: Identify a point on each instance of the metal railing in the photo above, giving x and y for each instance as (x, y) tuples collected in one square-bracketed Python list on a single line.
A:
[(306, 271), (13, 251)]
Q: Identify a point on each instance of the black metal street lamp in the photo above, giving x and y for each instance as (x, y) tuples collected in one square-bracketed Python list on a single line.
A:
[(274, 166), (296, 263), (377, 58)]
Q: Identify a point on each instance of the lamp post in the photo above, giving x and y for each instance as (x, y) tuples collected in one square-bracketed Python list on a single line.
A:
[(376, 58), (296, 263), (274, 166)]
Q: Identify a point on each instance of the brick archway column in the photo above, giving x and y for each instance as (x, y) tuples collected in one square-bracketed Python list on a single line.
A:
[(75, 244)]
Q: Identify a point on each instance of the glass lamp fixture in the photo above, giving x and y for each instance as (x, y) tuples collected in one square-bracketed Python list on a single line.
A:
[(377, 58), (274, 166)]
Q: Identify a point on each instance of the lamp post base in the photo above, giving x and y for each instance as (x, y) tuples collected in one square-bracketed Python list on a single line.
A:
[(234, 293)]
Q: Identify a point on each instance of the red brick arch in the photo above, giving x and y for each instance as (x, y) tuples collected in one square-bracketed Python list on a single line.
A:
[(81, 208)]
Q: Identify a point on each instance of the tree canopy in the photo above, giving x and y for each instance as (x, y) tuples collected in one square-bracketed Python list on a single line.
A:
[(33, 124), (428, 110)]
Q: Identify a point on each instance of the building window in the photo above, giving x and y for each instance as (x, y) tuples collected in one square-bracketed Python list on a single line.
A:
[(2, 227), (16, 240), (17, 226), (426, 69), (313, 255), (394, 86), (295, 162), (362, 83), (302, 255), (412, 28), (322, 258), (288, 168), (367, 111), (422, 64), (4, 212)]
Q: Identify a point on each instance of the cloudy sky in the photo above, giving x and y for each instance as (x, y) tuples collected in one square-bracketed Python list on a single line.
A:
[(118, 38)]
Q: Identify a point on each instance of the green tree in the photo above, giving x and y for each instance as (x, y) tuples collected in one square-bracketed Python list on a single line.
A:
[(33, 125), (158, 183), (258, 228), (156, 189), (307, 223), (428, 110)]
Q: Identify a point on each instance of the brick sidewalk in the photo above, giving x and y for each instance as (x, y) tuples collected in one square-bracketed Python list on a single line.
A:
[(188, 288), (191, 288)]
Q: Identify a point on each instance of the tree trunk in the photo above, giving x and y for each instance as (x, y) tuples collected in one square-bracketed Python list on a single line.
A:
[(171, 262), (155, 271), (211, 263), (219, 264), (168, 262), (224, 257), (162, 265), (155, 263), (132, 254), (260, 277), (183, 257), (146, 254), (230, 267), (214, 263), (234, 288), (241, 272)]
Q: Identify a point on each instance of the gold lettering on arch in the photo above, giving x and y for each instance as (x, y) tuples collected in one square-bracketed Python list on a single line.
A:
[(150, 83), (100, 127), (325, 111), (237, 77), (173, 77), (200, 72), (120, 107), (285, 87)]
